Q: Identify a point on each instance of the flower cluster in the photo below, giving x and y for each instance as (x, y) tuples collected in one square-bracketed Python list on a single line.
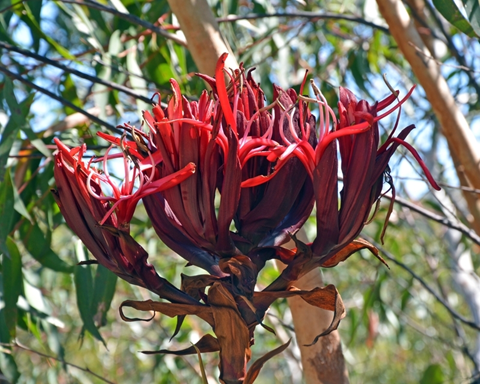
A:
[(267, 165)]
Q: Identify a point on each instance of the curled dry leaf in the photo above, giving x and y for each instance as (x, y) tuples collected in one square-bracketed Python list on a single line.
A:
[(207, 343), (326, 298), (350, 249), (258, 364)]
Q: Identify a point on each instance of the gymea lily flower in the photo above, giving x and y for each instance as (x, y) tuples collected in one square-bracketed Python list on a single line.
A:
[(227, 181)]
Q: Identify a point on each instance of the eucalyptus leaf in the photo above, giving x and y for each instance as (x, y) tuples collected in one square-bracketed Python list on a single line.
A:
[(12, 284), (449, 10)]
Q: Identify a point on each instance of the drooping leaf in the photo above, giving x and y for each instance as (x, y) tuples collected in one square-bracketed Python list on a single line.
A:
[(254, 370), (12, 284), (207, 343), (326, 298), (103, 291), (19, 205), (84, 292), (6, 211), (449, 10), (36, 142), (38, 244), (472, 7), (202, 367), (34, 23), (349, 250)]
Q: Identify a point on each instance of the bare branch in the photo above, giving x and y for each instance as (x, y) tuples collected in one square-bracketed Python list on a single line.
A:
[(87, 370), (303, 15), (129, 17), (439, 219), (83, 75), (60, 99), (447, 306)]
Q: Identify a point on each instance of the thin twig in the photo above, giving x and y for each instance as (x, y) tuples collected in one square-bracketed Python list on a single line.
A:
[(83, 75), (129, 17), (60, 99), (304, 15), (17, 345), (126, 16), (438, 62), (460, 187), (447, 306), (439, 219), (435, 273)]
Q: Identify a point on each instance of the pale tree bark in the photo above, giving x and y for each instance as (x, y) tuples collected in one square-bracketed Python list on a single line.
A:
[(463, 147), (322, 363)]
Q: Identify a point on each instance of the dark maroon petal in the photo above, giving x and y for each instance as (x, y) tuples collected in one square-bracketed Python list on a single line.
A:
[(230, 196), (209, 185), (347, 97), (325, 181), (188, 152), (172, 234), (147, 274), (278, 199)]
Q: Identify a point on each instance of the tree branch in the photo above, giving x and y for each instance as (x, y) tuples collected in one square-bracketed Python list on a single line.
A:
[(303, 15), (439, 219), (129, 17), (437, 297), (75, 72), (17, 345), (60, 99)]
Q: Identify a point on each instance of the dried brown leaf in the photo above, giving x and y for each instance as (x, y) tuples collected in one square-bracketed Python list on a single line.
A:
[(207, 343), (258, 364), (169, 309), (349, 250), (232, 334)]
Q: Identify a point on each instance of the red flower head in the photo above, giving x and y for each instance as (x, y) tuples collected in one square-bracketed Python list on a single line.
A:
[(226, 181), (236, 156), (102, 222)]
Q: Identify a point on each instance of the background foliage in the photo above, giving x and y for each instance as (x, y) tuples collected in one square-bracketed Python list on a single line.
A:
[(59, 59)]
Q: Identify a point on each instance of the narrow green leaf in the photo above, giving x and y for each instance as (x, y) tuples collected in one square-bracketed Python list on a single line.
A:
[(34, 25), (85, 26), (36, 142), (473, 12), (36, 9), (104, 289), (9, 368), (84, 291), (18, 204), (202, 367), (12, 284), (17, 120), (452, 14), (38, 245), (6, 211)]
